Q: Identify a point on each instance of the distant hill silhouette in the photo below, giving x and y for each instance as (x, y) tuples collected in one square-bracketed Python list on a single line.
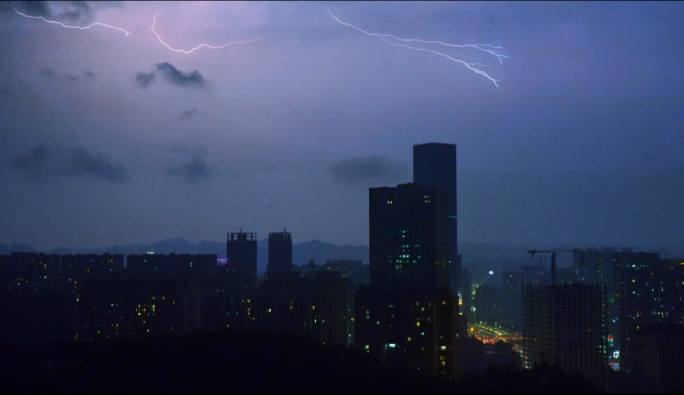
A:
[(302, 253), (18, 247), (319, 251)]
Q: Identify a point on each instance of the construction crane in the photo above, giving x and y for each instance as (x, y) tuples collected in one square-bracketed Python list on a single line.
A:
[(553, 259)]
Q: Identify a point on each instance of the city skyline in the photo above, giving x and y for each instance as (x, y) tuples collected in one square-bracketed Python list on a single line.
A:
[(447, 197)]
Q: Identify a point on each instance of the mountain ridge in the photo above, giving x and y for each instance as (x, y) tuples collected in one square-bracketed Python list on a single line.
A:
[(475, 255)]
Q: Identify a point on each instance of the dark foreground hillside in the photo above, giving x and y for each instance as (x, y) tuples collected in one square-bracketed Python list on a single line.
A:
[(228, 362)]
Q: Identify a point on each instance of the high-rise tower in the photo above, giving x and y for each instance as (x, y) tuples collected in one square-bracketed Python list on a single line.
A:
[(242, 255), (407, 316), (434, 165), (279, 252), (408, 238)]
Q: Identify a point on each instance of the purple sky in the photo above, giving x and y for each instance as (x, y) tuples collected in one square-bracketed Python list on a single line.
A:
[(107, 138)]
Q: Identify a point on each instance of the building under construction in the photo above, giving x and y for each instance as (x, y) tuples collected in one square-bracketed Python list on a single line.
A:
[(565, 325)]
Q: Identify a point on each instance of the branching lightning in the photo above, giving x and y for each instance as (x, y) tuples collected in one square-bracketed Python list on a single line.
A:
[(201, 45), (482, 47), (68, 26), (388, 38), (491, 49), (154, 22)]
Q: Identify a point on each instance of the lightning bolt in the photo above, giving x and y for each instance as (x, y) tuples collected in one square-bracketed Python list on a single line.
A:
[(201, 45), (154, 22), (491, 49), (482, 47), (68, 26)]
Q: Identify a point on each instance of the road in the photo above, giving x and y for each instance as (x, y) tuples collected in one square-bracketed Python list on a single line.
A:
[(491, 335)]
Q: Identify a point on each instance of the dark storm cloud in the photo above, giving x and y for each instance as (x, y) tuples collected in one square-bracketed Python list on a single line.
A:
[(187, 114), (184, 80), (192, 167), (71, 77), (170, 74), (71, 12), (36, 8), (84, 162), (372, 167), (51, 73), (48, 73), (46, 161), (142, 79), (35, 162), (77, 12)]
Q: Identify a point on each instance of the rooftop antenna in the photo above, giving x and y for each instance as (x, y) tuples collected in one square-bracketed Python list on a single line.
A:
[(240, 229)]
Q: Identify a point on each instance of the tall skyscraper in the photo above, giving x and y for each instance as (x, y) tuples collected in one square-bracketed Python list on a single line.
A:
[(434, 165), (279, 252), (408, 236), (241, 251), (407, 316)]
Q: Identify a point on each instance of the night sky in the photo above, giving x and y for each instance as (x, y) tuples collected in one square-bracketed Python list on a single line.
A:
[(108, 138)]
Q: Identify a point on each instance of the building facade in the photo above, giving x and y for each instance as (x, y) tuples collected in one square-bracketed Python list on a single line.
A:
[(241, 254), (26, 273), (407, 316), (408, 237), (434, 165), (202, 264), (658, 362), (565, 325), (414, 328), (318, 304), (279, 252), (79, 265)]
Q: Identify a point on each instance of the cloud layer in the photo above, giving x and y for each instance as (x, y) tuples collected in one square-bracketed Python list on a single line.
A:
[(171, 75), (71, 12), (191, 164), (187, 114), (52, 74), (46, 161), (368, 168)]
